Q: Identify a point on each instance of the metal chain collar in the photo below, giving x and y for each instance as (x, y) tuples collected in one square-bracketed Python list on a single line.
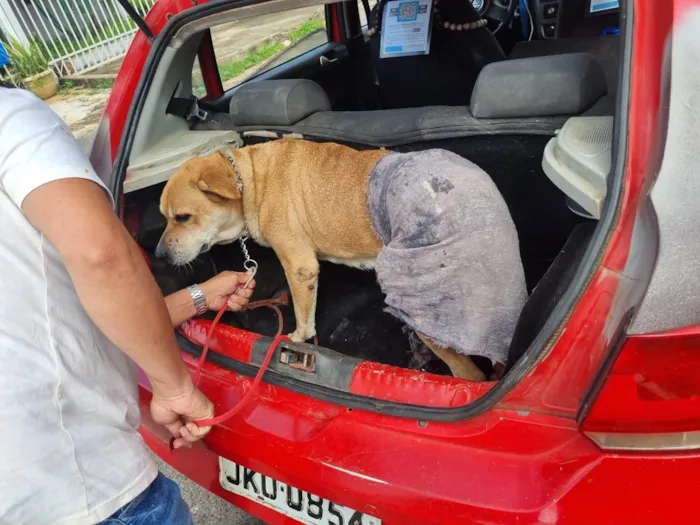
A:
[(236, 171), (250, 265)]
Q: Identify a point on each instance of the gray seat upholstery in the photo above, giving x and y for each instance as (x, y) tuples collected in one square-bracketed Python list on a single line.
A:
[(539, 86), (606, 51), (393, 127), (518, 104), (277, 102)]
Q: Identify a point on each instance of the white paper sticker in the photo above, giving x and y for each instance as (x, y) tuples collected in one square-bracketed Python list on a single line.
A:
[(598, 6), (406, 28)]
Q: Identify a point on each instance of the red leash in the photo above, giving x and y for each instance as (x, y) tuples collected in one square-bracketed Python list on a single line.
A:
[(279, 339)]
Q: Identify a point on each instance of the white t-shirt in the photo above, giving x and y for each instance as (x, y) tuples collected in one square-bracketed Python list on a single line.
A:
[(69, 449)]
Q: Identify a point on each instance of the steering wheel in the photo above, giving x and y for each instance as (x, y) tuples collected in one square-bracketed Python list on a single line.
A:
[(496, 12)]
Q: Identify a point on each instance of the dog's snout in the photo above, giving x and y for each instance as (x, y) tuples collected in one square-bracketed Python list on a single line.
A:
[(161, 251)]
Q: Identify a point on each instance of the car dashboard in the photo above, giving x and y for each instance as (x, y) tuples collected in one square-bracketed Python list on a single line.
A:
[(554, 19)]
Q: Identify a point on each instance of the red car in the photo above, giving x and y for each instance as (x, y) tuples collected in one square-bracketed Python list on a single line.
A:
[(587, 122)]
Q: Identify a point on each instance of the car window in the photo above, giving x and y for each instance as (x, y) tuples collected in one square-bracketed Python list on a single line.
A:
[(246, 48), (198, 88), (361, 9)]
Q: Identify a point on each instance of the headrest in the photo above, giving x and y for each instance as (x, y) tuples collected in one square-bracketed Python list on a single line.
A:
[(538, 87), (277, 102)]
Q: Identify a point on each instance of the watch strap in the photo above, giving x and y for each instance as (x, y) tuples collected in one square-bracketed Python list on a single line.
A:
[(200, 302)]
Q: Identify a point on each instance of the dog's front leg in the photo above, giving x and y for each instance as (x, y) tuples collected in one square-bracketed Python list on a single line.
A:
[(302, 276)]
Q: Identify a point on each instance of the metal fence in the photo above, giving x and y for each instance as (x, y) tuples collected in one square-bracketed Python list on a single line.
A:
[(75, 36)]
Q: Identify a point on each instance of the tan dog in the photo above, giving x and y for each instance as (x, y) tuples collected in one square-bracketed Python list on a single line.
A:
[(305, 200)]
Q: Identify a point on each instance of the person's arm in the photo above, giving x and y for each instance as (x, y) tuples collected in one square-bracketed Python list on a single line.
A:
[(224, 288), (119, 294)]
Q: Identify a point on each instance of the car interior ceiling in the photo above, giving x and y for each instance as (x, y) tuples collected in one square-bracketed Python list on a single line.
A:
[(450, 99)]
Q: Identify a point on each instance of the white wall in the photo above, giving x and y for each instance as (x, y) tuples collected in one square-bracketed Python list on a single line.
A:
[(9, 24)]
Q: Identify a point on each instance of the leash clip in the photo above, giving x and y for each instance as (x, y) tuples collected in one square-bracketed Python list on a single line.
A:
[(250, 265)]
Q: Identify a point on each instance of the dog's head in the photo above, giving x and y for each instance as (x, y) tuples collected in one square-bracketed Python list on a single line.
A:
[(203, 207)]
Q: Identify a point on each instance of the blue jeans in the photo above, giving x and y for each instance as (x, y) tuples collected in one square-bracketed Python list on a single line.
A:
[(160, 504)]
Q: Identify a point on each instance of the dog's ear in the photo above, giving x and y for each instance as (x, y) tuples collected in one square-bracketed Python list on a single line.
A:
[(214, 182)]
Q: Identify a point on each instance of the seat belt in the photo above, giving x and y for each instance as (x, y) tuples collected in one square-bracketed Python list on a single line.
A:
[(186, 108), (368, 10)]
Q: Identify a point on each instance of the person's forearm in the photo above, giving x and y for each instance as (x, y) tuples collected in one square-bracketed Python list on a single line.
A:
[(122, 298), (180, 307)]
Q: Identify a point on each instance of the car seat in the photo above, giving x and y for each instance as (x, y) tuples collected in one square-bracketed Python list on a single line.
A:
[(446, 76)]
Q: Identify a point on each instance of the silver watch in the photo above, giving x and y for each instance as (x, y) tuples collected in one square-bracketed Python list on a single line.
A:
[(200, 302)]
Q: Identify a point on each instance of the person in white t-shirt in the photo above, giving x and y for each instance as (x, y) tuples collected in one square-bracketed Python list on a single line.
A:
[(79, 310)]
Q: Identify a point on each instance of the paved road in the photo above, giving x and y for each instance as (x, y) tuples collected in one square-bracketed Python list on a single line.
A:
[(207, 509)]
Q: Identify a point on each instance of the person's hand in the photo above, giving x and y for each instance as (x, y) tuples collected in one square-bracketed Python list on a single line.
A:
[(227, 286), (176, 412)]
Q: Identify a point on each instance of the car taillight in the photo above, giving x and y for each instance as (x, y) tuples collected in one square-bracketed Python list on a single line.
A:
[(650, 399)]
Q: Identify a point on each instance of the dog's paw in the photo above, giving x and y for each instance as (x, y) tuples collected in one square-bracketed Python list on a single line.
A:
[(294, 336), (301, 337), (297, 337)]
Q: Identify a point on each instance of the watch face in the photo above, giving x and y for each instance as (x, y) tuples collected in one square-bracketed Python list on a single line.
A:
[(478, 4)]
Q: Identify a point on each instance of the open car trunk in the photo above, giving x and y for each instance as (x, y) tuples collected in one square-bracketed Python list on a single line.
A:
[(363, 357), (350, 317)]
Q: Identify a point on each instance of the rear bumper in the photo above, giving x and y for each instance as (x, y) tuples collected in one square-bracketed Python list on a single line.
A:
[(500, 468)]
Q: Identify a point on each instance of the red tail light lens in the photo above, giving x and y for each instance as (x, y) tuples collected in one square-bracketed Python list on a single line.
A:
[(650, 399)]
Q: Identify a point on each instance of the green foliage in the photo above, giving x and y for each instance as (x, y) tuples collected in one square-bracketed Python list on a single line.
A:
[(237, 67), (265, 52), (307, 28), (26, 61), (66, 86), (104, 83)]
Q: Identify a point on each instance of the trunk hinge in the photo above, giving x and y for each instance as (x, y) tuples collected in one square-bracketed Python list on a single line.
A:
[(136, 17)]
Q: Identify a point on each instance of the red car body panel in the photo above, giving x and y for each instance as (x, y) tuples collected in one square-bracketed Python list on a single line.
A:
[(388, 383), (526, 460)]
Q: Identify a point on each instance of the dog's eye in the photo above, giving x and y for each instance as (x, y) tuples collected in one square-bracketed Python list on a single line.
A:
[(182, 218)]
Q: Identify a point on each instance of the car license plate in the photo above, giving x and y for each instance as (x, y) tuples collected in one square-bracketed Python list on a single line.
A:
[(288, 500)]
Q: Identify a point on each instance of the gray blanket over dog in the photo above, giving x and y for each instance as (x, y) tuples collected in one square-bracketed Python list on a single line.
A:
[(450, 266)]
